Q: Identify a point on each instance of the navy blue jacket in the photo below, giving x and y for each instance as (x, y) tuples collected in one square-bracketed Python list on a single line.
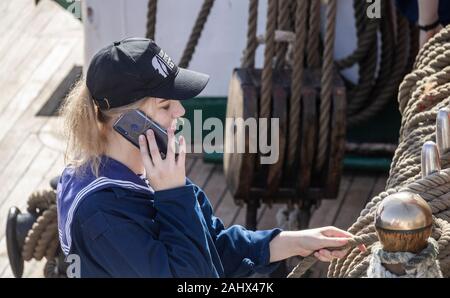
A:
[(120, 227), (410, 9)]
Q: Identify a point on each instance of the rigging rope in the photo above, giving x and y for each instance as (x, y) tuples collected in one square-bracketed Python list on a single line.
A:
[(422, 93)]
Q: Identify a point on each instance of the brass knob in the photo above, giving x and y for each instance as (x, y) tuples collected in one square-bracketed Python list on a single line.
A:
[(443, 130), (403, 222), (430, 159)]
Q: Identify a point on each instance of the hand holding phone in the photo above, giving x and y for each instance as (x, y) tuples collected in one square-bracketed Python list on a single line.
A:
[(162, 155), (163, 173)]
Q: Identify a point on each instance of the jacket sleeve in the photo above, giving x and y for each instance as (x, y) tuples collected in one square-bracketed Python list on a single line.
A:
[(123, 248), (243, 252)]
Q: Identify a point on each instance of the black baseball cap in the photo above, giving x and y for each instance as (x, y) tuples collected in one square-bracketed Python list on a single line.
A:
[(131, 69)]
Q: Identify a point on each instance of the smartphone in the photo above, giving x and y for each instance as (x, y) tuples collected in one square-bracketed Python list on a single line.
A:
[(134, 123)]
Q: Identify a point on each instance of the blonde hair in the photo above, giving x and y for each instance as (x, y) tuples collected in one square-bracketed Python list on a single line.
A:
[(86, 126)]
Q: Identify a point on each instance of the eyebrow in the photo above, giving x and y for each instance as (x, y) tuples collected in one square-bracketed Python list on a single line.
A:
[(163, 101)]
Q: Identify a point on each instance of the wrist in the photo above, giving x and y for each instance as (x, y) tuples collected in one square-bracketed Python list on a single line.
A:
[(293, 240), (429, 26), (283, 246)]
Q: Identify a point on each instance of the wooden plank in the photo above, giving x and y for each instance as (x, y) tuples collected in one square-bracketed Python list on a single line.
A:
[(200, 173), (379, 186), (29, 24), (40, 43), (24, 98), (27, 184), (4, 261), (189, 164), (264, 218), (54, 39), (215, 186), (355, 200), (12, 15), (18, 165), (11, 85), (267, 218), (30, 180), (226, 210), (19, 159), (55, 170), (239, 216), (39, 39), (327, 210), (28, 123)]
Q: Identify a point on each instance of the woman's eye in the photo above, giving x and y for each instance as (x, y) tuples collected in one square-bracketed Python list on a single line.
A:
[(166, 107)]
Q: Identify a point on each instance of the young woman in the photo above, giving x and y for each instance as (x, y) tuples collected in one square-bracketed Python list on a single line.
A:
[(127, 212)]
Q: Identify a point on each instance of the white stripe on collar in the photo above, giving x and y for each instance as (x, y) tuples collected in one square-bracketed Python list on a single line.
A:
[(97, 183)]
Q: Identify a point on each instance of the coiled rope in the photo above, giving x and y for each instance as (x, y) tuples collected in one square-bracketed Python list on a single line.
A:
[(422, 93), (42, 239)]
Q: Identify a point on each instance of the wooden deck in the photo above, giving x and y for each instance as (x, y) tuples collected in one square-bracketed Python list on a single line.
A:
[(39, 49)]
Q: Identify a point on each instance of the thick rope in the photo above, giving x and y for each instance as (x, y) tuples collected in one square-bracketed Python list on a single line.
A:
[(40, 236), (284, 7), (196, 33), (313, 41), (326, 86), (151, 18), (392, 67), (364, 38), (422, 93), (42, 239), (309, 261), (378, 78), (269, 51), (248, 61), (418, 125), (297, 80)]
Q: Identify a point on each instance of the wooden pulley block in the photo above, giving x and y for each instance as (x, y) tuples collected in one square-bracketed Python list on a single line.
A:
[(280, 99), (242, 103), (309, 127), (331, 175)]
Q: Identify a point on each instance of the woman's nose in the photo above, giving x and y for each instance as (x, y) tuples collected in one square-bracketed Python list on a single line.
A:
[(178, 109)]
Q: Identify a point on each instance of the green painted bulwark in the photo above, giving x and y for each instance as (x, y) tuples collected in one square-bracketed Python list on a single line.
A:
[(72, 6), (383, 128)]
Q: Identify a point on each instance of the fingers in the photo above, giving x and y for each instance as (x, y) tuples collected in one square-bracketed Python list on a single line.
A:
[(182, 152), (170, 155), (339, 253), (322, 257), (336, 232), (335, 237), (154, 151), (148, 164), (333, 242), (362, 248), (327, 256)]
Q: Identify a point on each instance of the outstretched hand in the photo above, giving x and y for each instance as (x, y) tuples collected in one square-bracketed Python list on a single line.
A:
[(323, 243)]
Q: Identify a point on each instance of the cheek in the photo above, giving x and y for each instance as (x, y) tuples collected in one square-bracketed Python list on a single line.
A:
[(163, 118)]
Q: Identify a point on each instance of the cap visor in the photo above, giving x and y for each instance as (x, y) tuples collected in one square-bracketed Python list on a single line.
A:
[(187, 84)]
